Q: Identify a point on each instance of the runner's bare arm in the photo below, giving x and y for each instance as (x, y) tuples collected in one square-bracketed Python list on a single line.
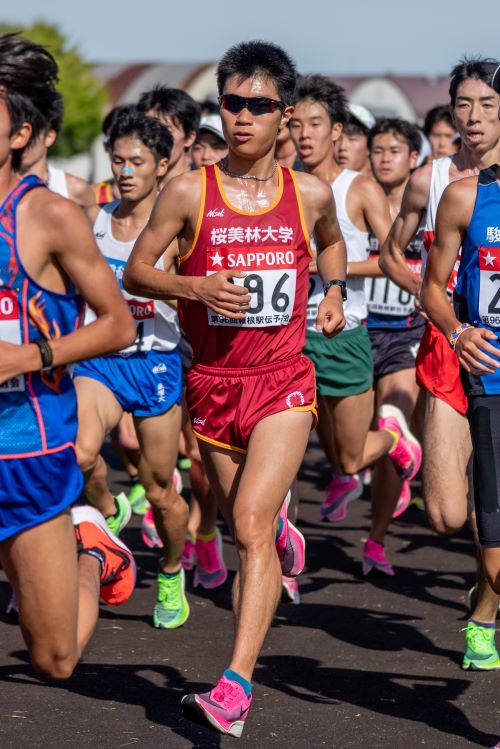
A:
[(376, 214), (174, 216), (331, 258), (453, 215), (69, 241), (80, 191), (392, 256)]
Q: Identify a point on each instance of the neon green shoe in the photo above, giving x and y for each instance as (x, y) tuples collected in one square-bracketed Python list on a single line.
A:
[(118, 521), (481, 653), (172, 608), (137, 499)]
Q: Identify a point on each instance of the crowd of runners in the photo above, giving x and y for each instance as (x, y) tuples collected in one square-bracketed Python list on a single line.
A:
[(278, 262)]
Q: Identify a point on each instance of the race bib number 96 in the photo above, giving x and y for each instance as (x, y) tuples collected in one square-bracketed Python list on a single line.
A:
[(10, 331), (271, 277), (489, 286)]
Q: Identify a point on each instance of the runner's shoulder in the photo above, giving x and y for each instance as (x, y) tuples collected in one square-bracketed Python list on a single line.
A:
[(313, 190), (460, 195), (419, 185), (52, 209), (367, 187)]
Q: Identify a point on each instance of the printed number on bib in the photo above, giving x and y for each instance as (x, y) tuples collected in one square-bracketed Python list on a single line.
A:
[(315, 297), (10, 331), (271, 277), (143, 312), (386, 298), (489, 286)]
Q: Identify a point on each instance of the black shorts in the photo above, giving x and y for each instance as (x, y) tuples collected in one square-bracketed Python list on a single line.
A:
[(394, 349), (484, 421)]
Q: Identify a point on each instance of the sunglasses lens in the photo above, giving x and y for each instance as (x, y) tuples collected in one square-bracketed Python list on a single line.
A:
[(256, 105)]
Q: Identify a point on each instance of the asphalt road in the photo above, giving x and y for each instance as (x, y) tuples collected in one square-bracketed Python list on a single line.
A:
[(359, 663)]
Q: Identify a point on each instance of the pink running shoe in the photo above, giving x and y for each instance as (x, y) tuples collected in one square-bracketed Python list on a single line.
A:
[(340, 491), (290, 544), (290, 590), (403, 501), (224, 708), (406, 455), (148, 531), (188, 559), (210, 568), (374, 558)]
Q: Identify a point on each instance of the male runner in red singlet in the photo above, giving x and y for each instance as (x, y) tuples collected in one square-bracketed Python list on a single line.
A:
[(47, 252), (243, 229), (447, 446)]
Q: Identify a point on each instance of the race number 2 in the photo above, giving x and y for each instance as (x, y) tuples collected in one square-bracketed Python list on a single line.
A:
[(489, 286), (271, 277), (10, 331)]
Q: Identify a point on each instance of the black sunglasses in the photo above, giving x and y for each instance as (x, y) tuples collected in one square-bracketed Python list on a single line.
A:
[(255, 104)]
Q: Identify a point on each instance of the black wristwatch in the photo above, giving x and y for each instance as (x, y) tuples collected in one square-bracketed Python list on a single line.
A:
[(336, 282)]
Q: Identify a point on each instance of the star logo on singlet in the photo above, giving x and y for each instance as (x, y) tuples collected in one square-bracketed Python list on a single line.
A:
[(489, 259), (217, 259)]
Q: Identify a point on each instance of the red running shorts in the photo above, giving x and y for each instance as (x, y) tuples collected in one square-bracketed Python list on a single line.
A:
[(438, 370), (226, 404)]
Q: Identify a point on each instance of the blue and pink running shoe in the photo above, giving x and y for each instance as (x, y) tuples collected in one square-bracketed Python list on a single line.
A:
[(225, 708), (290, 544), (340, 491)]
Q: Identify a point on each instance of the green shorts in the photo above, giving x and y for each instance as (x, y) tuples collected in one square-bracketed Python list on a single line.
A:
[(344, 364)]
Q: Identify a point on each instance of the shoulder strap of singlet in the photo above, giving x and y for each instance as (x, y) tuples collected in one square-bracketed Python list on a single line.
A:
[(8, 209), (488, 175)]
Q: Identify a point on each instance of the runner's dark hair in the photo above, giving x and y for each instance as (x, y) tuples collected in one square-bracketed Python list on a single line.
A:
[(172, 102), (257, 58), (396, 126), (481, 68), (352, 126), (435, 115), (324, 91), (28, 75), (112, 115), (149, 130)]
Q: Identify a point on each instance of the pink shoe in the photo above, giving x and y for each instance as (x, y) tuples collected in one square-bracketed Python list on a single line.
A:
[(188, 559), (224, 708), (210, 568), (374, 558), (290, 544), (177, 481), (340, 491), (290, 590), (406, 455), (148, 531), (403, 501)]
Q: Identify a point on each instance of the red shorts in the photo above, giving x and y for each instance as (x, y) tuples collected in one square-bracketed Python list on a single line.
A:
[(438, 370), (226, 404)]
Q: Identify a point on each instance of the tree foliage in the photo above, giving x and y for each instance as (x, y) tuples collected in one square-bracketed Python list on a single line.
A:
[(84, 95)]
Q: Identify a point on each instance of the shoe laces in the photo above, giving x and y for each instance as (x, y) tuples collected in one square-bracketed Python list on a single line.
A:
[(479, 637), (226, 694), (169, 591), (208, 554)]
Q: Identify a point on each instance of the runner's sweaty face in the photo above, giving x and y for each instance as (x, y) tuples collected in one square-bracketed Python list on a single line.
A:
[(251, 136), (135, 169), (475, 114), (313, 133), (391, 159)]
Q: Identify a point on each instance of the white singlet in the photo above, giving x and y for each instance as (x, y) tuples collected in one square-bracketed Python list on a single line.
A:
[(357, 246), (58, 182), (157, 322)]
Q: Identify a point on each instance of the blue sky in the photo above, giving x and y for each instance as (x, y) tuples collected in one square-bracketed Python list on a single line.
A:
[(355, 36)]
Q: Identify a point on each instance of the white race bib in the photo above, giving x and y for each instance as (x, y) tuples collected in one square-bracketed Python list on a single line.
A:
[(386, 298), (271, 277), (489, 286), (315, 297), (10, 331)]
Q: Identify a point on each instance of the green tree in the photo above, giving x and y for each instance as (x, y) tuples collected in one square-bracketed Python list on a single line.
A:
[(84, 95)]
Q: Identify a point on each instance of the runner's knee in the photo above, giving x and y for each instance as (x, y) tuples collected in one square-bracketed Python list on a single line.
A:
[(86, 456), (56, 664), (445, 522), (349, 463), (251, 531)]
